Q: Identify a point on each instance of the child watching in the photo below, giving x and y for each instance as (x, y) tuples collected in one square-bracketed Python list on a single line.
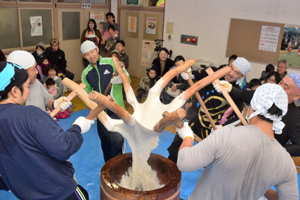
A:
[(147, 82), (43, 66), (51, 86), (109, 38), (115, 53), (39, 52), (177, 84), (54, 86), (90, 35), (264, 74), (254, 84), (52, 71), (39, 55)]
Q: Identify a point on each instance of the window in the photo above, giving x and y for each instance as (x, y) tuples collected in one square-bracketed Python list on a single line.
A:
[(9, 29)]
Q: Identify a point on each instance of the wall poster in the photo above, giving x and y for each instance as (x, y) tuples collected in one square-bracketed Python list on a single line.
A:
[(290, 45), (36, 25), (151, 27), (132, 25), (147, 52), (98, 17)]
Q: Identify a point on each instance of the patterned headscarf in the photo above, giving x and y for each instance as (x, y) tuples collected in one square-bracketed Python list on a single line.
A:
[(264, 97), (242, 64), (296, 79)]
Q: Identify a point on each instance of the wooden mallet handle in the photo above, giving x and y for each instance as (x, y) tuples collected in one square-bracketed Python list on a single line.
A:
[(174, 117), (228, 98), (70, 97), (98, 110), (110, 84), (111, 105), (178, 123)]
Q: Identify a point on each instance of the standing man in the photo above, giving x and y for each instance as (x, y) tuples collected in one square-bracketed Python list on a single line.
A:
[(96, 76), (39, 96), (57, 57), (243, 162), (120, 47), (33, 148), (214, 101), (110, 18), (290, 137), (282, 66)]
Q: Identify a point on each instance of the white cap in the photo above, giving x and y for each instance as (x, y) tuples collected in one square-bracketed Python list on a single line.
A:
[(22, 58), (87, 46), (242, 64)]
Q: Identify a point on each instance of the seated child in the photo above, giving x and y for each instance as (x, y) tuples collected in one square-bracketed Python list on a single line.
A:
[(44, 65), (39, 52), (264, 74), (52, 72), (109, 38), (51, 86), (90, 35), (54, 86), (254, 84), (177, 84), (147, 82), (115, 53)]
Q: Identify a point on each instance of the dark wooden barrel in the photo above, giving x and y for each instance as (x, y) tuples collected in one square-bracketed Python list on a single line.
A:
[(167, 173)]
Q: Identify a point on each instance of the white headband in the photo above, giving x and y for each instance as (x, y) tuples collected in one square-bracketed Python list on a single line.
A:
[(264, 97), (87, 46), (22, 58)]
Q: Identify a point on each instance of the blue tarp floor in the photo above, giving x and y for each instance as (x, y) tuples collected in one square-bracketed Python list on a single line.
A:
[(88, 161)]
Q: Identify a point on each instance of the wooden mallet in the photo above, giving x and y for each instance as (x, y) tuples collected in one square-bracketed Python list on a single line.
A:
[(174, 118), (229, 99), (94, 113), (70, 97)]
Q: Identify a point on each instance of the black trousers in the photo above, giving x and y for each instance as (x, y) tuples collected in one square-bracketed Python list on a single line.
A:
[(79, 194), (69, 75), (111, 142), (174, 147)]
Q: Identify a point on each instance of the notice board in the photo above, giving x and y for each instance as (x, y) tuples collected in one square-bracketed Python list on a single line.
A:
[(244, 39)]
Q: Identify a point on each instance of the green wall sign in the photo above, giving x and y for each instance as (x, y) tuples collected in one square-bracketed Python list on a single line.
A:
[(132, 2)]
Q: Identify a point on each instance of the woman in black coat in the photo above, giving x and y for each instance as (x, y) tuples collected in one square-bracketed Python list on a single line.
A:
[(163, 62)]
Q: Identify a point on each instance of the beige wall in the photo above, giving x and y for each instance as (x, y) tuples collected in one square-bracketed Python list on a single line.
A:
[(210, 21), (133, 46), (72, 47)]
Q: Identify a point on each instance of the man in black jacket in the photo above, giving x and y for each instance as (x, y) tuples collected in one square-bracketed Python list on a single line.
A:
[(290, 137), (57, 57), (215, 103)]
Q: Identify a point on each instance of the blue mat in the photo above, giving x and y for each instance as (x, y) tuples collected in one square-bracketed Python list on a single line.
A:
[(88, 161)]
